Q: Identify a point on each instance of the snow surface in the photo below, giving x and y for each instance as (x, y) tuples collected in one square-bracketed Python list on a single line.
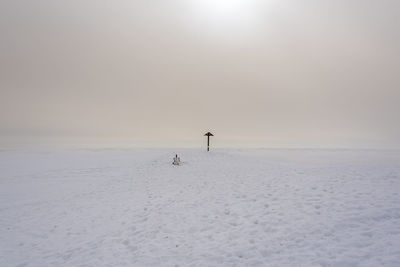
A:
[(223, 208)]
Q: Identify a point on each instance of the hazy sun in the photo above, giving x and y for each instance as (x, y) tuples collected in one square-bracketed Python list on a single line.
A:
[(218, 13), (222, 8)]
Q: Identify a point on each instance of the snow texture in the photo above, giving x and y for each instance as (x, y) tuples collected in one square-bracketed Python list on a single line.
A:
[(222, 208)]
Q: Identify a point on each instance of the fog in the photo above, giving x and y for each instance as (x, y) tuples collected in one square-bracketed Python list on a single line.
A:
[(162, 73)]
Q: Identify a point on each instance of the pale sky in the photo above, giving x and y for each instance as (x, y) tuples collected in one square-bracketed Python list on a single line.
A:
[(272, 73)]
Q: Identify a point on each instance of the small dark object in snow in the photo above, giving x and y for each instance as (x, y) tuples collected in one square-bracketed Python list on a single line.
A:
[(176, 160)]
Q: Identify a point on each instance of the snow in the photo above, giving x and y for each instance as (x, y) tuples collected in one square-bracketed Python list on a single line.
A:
[(254, 207)]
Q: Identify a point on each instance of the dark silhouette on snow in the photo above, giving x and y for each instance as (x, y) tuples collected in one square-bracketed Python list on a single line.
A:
[(208, 140)]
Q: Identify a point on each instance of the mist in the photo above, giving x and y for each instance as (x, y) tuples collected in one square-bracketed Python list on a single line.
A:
[(162, 73)]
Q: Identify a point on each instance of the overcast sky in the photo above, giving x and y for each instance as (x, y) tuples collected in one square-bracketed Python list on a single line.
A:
[(272, 73)]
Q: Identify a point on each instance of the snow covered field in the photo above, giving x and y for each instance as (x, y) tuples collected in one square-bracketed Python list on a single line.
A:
[(223, 208)]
